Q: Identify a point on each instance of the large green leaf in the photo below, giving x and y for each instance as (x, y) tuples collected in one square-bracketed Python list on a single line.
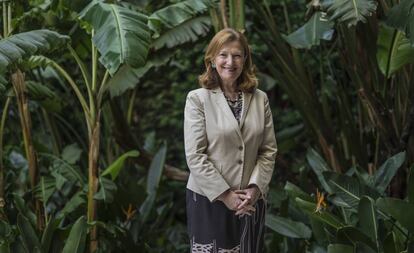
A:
[(319, 231), (295, 192), (176, 14), (190, 30), (106, 191), (71, 153), (23, 209), (77, 237), (319, 166), (350, 12), (30, 240), (45, 188), (311, 33), (153, 180), (367, 218), (400, 210), (49, 232), (401, 17), (116, 166), (127, 77), (121, 35), (77, 200), (156, 169), (387, 171), (322, 215), (22, 45), (348, 189), (394, 50), (65, 169), (39, 91), (287, 227), (353, 235)]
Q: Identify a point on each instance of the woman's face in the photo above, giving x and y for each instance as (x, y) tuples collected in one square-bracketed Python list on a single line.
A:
[(229, 62)]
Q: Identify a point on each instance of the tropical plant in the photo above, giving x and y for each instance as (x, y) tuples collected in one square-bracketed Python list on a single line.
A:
[(127, 52), (352, 210), (352, 105)]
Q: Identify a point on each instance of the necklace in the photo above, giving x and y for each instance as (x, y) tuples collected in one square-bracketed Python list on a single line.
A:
[(238, 97)]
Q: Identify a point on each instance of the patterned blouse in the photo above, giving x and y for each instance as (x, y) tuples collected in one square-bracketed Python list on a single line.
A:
[(236, 105)]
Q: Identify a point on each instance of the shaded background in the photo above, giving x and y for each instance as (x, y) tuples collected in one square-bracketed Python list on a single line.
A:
[(91, 133)]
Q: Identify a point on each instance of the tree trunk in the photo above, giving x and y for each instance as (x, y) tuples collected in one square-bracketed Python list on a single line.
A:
[(94, 141), (25, 121), (2, 170)]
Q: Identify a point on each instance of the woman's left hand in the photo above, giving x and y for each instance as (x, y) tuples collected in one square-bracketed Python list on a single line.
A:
[(252, 193)]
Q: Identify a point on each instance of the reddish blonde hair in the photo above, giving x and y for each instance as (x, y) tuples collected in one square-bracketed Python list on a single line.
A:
[(210, 79)]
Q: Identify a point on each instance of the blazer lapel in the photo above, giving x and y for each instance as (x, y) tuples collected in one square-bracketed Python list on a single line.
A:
[(225, 108), (247, 97)]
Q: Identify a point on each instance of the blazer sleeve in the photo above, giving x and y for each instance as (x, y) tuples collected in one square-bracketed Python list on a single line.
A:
[(208, 178), (263, 170)]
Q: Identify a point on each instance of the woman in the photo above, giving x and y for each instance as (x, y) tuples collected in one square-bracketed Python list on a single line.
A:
[(230, 149)]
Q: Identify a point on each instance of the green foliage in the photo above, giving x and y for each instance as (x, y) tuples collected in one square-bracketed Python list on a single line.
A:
[(30, 240), (350, 12), (287, 227), (344, 96), (121, 35), (117, 165), (394, 50), (310, 34), (77, 237), (401, 17), (23, 45)]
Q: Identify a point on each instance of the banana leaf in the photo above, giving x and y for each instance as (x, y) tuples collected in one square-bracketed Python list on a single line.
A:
[(121, 35), (394, 50), (22, 45)]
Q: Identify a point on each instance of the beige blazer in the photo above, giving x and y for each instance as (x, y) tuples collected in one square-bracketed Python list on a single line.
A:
[(221, 154)]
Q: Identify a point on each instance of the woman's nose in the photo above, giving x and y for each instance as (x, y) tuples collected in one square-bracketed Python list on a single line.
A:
[(230, 59)]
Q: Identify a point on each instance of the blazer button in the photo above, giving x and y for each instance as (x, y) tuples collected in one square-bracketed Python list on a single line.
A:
[(240, 161), (240, 147)]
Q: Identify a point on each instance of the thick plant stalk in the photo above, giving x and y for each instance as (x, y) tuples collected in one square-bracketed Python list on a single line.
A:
[(2, 122), (94, 142), (236, 13), (223, 11), (25, 121)]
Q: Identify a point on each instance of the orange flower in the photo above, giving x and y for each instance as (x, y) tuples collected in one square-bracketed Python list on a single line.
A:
[(129, 213), (320, 201)]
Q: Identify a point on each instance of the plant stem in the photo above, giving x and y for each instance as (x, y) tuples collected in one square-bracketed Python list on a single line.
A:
[(223, 12), (102, 89), (9, 16), (131, 106), (76, 90), (2, 123), (93, 181), (82, 67), (5, 20), (94, 64), (19, 87)]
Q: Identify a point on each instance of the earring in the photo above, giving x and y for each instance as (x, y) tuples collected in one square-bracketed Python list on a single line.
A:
[(213, 65)]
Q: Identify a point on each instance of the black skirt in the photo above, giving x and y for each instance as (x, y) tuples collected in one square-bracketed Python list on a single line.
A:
[(212, 227)]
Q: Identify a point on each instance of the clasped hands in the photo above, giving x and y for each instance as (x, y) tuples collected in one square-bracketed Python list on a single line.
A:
[(241, 201)]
